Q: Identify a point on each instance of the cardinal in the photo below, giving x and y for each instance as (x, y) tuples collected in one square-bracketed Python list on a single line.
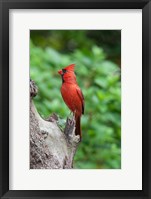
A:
[(72, 95)]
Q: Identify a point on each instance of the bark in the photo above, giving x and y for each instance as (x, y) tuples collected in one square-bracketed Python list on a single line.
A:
[(50, 148)]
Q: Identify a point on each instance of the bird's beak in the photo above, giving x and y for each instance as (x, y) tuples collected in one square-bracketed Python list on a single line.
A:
[(60, 72)]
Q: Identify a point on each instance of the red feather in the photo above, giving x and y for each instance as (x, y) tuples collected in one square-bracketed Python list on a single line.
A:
[(70, 67), (72, 94)]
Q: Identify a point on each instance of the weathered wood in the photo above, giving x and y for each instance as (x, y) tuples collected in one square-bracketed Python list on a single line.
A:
[(50, 148)]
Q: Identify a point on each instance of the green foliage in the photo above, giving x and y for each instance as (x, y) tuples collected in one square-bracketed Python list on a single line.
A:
[(99, 79)]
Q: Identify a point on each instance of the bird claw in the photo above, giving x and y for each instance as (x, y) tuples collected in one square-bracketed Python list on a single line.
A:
[(70, 125), (71, 122)]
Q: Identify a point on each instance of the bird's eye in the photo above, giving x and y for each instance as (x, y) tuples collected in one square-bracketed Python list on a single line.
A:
[(64, 70)]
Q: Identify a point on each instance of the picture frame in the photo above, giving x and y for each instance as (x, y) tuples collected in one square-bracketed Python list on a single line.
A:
[(4, 103)]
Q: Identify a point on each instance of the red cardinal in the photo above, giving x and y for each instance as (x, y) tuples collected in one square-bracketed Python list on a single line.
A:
[(72, 95)]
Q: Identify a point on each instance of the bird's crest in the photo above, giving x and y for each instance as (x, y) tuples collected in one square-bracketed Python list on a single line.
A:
[(70, 67)]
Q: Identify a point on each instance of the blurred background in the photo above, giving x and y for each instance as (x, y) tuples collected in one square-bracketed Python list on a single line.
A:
[(97, 55)]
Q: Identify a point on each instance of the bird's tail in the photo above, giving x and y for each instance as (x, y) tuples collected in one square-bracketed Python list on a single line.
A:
[(78, 126)]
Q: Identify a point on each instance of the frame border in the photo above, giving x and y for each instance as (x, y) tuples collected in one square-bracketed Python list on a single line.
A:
[(5, 5)]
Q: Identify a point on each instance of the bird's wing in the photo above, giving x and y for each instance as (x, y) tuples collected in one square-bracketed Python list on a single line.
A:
[(80, 94)]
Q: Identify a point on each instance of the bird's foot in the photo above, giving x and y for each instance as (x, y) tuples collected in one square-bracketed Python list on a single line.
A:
[(70, 127), (70, 132), (71, 116), (71, 121)]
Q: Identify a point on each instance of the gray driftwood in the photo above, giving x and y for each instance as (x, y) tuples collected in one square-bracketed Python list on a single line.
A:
[(50, 148)]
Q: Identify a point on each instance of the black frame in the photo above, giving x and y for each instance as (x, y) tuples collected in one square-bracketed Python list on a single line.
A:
[(5, 5)]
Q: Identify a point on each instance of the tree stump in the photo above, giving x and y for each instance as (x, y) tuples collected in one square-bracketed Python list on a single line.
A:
[(50, 148)]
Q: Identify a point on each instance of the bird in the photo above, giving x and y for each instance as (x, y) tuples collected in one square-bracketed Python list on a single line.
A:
[(72, 95)]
